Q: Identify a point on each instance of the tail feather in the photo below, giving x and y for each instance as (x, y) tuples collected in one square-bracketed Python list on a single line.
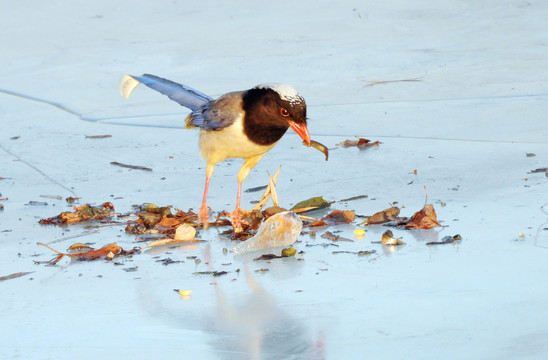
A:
[(182, 94)]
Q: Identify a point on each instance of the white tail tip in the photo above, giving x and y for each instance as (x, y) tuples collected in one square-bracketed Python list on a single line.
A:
[(127, 85)]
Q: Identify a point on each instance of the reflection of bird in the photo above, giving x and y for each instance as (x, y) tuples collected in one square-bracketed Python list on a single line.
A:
[(243, 124)]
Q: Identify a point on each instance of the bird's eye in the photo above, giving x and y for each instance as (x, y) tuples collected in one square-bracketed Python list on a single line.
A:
[(284, 112)]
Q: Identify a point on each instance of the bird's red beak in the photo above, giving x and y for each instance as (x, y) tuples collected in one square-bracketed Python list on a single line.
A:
[(301, 130)]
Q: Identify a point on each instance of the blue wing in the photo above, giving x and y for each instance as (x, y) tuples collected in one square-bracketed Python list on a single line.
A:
[(182, 94)]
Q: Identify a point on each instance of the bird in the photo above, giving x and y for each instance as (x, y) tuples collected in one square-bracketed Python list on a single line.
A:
[(241, 124)]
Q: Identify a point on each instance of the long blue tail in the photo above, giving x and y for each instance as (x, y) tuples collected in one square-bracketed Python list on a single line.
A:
[(182, 94)]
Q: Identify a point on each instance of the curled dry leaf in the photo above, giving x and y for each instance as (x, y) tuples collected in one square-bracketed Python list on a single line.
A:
[(388, 239), (424, 219), (382, 217)]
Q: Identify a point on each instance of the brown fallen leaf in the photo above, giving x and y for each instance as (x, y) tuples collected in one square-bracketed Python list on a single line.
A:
[(169, 222), (382, 217), (426, 218), (339, 217), (86, 255), (335, 217)]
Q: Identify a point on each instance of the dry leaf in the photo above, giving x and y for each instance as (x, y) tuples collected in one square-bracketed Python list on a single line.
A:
[(388, 239), (185, 232), (169, 222), (335, 217), (313, 203), (424, 219), (382, 217), (339, 217), (273, 193), (266, 194), (86, 255)]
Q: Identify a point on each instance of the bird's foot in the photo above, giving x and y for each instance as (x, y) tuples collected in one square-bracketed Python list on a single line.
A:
[(203, 217), (237, 223)]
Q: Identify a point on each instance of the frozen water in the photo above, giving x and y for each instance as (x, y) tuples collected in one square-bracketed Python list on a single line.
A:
[(279, 230), (470, 106)]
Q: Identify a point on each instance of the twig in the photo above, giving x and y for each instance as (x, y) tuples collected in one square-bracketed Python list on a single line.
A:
[(135, 167), (377, 82)]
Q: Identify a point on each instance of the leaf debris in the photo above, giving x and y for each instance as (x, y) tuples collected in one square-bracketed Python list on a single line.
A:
[(361, 143), (82, 213), (446, 240)]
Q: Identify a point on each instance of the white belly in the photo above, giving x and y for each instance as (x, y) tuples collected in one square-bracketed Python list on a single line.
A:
[(230, 142)]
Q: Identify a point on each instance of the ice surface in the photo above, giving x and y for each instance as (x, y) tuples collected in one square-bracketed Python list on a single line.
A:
[(279, 230), (474, 105)]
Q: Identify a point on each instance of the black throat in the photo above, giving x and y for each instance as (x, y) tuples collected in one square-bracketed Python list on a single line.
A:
[(261, 125)]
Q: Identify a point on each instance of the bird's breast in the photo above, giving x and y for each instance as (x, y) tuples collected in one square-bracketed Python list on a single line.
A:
[(230, 142)]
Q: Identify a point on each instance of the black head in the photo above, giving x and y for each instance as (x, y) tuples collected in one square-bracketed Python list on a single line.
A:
[(270, 110)]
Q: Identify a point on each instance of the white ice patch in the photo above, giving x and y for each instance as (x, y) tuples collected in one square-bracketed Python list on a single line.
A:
[(286, 92)]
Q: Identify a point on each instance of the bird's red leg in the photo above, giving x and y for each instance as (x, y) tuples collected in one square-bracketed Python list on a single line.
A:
[(202, 216), (203, 209), (244, 170), (236, 221)]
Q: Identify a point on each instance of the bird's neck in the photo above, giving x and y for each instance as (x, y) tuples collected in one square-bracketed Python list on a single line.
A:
[(261, 130)]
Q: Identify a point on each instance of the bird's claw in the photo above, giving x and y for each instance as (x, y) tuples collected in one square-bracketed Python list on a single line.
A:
[(237, 223)]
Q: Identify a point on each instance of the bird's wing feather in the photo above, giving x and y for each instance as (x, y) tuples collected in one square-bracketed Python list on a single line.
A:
[(182, 94), (217, 114)]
